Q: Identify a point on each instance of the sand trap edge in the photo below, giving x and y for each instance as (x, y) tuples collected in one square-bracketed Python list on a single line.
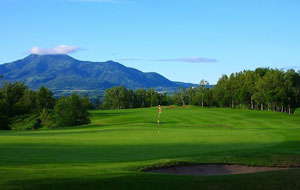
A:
[(211, 169)]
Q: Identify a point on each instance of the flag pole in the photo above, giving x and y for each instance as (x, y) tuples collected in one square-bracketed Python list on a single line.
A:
[(158, 121)]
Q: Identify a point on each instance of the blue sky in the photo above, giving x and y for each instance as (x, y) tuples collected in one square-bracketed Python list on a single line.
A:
[(184, 40)]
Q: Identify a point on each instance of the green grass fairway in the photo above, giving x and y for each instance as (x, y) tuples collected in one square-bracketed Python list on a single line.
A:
[(110, 152)]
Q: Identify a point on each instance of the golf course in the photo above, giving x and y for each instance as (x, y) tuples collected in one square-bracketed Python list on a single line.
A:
[(114, 150)]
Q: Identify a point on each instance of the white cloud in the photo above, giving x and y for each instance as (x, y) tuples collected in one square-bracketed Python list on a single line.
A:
[(62, 49)]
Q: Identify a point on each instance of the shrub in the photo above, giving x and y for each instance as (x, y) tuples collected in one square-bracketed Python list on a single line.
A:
[(71, 111), (25, 122), (46, 119), (4, 122), (37, 124), (297, 112)]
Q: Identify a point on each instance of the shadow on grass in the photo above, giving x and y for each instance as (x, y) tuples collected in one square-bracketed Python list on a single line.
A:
[(87, 129), (112, 114), (51, 153), (274, 180)]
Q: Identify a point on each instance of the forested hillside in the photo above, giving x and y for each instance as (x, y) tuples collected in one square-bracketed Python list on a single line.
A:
[(63, 74)]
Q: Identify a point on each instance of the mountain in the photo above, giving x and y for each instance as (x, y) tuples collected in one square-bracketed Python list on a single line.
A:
[(63, 73)]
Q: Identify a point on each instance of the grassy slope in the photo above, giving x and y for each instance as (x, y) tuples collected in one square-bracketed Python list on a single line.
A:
[(108, 153)]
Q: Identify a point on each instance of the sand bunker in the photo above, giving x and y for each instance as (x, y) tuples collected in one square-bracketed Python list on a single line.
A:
[(211, 169)]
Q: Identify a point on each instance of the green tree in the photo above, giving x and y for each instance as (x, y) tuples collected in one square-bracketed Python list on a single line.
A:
[(4, 118), (164, 99), (274, 87), (201, 91), (259, 94), (86, 103), (13, 92), (140, 96), (220, 91), (190, 95), (28, 100), (151, 97), (4, 122), (44, 99), (292, 84), (208, 97), (108, 99), (130, 98), (249, 87), (97, 103), (232, 87), (116, 98), (182, 95), (46, 119), (71, 111)]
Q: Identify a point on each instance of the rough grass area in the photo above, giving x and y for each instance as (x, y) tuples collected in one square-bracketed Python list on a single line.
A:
[(112, 151)]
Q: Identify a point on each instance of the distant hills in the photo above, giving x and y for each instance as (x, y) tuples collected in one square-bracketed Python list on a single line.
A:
[(63, 74)]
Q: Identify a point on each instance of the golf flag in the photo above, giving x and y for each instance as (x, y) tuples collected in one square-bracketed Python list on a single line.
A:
[(158, 121), (159, 112)]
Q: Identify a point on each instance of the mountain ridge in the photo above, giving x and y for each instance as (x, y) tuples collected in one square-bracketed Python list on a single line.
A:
[(63, 72)]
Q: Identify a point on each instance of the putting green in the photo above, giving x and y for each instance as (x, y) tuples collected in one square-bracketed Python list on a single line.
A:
[(109, 152)]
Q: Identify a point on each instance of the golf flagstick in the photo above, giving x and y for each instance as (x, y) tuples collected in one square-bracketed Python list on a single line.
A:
[(158, 121)]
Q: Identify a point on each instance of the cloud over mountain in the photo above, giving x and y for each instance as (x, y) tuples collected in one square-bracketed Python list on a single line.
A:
[(61, 49)]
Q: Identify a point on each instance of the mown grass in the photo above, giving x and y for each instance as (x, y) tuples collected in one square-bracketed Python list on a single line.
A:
[(111, 151)]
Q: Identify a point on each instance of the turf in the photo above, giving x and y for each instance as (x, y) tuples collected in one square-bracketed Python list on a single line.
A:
[(111, 152)]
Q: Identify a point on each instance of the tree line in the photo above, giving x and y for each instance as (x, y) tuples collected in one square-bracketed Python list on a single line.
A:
[(17, 101), (122, 98), (261, 89)]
